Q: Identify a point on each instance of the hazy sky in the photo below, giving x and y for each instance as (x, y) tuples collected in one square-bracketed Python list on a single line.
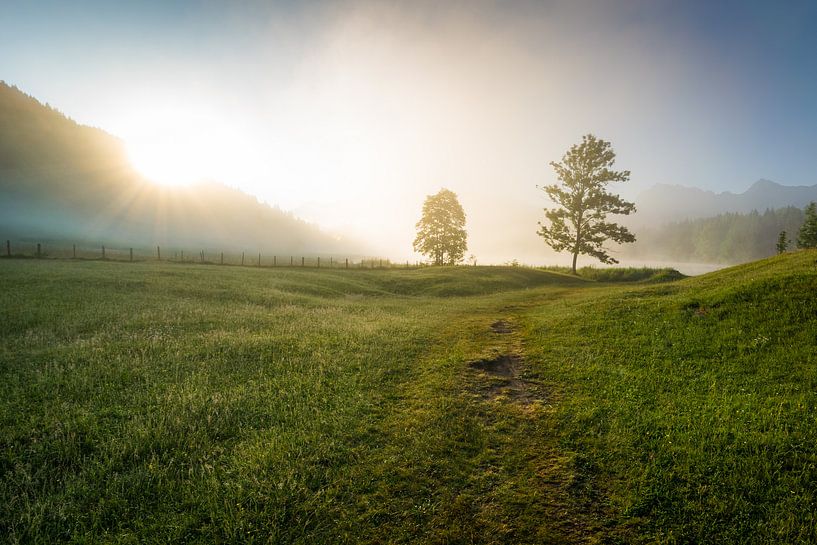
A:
[(349, 113)]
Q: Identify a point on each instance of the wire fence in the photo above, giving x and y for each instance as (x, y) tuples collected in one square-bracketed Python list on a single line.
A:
[(30, 249)]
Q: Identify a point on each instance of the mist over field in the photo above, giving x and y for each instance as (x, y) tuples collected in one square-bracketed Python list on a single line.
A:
[(67, 183), (348, 114)]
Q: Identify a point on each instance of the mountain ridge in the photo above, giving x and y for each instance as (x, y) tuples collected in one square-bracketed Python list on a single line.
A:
[(666, 203)]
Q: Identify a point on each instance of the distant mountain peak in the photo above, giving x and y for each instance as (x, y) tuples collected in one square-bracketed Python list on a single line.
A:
[(764, 184), (663, 203)]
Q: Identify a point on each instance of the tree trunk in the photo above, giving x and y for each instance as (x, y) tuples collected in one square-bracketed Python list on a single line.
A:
[(578, 225)]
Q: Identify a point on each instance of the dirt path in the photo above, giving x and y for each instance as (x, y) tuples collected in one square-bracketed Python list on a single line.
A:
[(548, 490)]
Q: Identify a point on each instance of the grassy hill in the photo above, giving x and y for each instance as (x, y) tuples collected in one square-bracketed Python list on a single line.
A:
[(63, 181), (156, 402), (690, 407)]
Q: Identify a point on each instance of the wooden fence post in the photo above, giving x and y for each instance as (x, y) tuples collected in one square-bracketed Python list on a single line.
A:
[(201, 254), (347, 262), (38, 250), (103, 251), (131, 255), (222, 258), (274, 260), (74, 251), (242, 259), (158, 253), (8, 248), (259, 260), (302, 261)]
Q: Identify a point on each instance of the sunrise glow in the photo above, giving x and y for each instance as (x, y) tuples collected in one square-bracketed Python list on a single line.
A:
[(174, 145)]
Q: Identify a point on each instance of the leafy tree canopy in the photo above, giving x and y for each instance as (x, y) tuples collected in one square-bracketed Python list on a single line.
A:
[(441, 230), (578, 224)]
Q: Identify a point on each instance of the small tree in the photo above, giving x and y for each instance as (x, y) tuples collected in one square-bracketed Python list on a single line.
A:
[(578, 225), (441, 231), (782, 242), (807, 237)]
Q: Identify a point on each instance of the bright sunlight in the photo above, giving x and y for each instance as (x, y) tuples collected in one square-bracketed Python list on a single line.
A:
[(165, 161), (175, 146)]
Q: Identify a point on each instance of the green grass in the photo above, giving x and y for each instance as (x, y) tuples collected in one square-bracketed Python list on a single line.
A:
[(691, 406), (169, 403)]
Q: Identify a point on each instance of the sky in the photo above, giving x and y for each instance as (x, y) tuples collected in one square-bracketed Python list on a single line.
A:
[(349, 113)]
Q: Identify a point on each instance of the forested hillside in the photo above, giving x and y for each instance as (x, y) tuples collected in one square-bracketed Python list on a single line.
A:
[(61, 180), (725, 238)]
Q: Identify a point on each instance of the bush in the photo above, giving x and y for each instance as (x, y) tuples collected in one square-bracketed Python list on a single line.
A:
[(624, 274)]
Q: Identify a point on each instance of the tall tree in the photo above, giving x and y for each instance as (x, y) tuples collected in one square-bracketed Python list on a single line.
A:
[(782, 242), (441, 230), (807, 237), (579, 224)]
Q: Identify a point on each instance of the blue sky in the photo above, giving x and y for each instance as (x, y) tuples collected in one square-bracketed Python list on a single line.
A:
[(391, 100)]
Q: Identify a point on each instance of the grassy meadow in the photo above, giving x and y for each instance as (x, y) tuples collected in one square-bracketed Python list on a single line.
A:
[(156, 403)]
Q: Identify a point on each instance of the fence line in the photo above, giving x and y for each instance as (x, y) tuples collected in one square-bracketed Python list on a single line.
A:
[(39, 250)]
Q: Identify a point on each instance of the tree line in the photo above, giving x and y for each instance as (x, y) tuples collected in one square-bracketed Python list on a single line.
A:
[(725, 238)]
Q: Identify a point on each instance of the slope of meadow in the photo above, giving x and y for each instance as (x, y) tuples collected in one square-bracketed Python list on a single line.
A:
[(154, 402), (690, 408)]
